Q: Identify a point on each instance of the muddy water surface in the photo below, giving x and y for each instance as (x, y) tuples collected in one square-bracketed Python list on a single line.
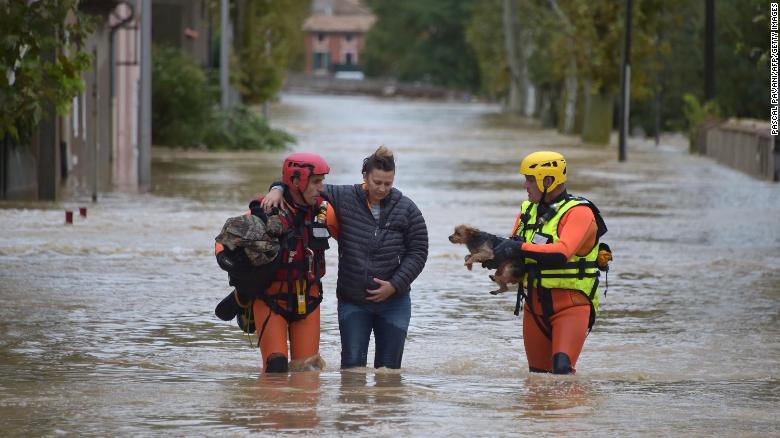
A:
[(107, 326)]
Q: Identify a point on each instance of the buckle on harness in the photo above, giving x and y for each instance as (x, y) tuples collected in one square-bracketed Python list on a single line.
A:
[(300, 292)]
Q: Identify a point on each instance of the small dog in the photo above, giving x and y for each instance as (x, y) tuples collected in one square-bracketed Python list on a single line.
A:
[(480, 245)]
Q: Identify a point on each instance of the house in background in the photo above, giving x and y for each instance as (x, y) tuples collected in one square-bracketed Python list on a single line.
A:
[(335, 36)]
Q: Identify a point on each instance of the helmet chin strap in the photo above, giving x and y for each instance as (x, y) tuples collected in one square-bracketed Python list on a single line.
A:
[(300, 192), (544, 195)]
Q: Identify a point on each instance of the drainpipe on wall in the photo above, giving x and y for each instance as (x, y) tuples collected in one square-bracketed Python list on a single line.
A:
[(145, 99), (96, 137), (225, 42), (47, 145)]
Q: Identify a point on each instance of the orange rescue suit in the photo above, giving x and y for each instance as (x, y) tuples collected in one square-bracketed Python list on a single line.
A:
[(571, 309), (273, 328)]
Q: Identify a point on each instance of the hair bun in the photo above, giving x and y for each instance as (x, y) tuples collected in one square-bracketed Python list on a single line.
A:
[(383, 152), (381, 159)]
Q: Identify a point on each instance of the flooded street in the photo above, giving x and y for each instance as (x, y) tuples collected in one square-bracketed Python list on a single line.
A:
[(107, 326)]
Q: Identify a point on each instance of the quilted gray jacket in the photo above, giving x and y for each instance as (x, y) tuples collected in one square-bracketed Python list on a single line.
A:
[(394, 248)]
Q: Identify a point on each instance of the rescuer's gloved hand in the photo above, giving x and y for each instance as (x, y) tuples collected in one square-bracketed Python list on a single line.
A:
[(507, 249), (234, 262)]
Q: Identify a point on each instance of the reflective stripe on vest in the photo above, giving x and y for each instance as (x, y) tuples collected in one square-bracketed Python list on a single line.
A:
[(579, 273)]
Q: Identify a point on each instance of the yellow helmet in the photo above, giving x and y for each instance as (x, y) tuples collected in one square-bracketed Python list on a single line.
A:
[(545, 163)]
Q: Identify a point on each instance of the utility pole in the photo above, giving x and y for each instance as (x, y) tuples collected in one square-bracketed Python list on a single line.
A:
[(224, 53), (625, 85), (709, 50)]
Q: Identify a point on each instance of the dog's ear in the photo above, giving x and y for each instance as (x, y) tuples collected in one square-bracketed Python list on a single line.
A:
[(469, 232)]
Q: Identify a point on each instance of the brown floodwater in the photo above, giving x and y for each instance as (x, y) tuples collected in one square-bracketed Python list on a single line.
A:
[(107, 326)]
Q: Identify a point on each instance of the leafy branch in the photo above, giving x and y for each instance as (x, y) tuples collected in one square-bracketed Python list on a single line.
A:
[(41, 61)]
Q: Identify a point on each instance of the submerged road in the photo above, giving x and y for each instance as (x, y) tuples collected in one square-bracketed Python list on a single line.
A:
[(107, 326)]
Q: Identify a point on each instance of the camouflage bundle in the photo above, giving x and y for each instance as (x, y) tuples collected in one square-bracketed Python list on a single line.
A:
[(260, 240)]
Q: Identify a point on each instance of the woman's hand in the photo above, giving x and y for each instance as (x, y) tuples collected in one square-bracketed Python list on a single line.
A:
[(272, 200), (385, 291)]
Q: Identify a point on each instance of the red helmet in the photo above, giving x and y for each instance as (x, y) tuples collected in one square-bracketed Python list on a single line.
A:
[(302, 165)]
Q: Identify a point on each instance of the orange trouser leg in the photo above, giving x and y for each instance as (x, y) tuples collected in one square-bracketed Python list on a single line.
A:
[(274, 336), (538, 349), (571, 313), (304, 334)]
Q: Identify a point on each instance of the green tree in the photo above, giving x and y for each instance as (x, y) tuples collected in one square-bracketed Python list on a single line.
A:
[(575, 56), (185, 113), (422, 40), (41, 61), (268, 39), (741, 62), (485, 35), (183, 98), (676, 68)]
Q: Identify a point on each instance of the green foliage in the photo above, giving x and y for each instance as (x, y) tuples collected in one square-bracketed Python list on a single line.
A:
[(677, 68), (184, 110), (40, 60), (593, 38), (422, 40), (182, 98), (741, 62), (268, 38), (240, 128), (697, 113), (485, 34), (667, 53)]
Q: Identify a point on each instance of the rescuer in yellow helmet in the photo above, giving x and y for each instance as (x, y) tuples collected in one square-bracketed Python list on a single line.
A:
[(556, 239)]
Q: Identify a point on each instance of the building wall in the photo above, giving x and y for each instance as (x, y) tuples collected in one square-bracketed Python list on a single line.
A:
[(127, 76), (334, 48), (337, 47), (88, 141), (316, 46), (19, 171), (353, 47)]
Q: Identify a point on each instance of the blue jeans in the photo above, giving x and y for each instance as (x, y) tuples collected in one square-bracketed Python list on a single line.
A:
[(389, 320)]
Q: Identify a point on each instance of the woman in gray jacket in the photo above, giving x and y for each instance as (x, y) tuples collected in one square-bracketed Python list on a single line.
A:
[(383, 247)]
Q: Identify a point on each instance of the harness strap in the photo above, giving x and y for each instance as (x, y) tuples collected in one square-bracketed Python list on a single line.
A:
[(591, 295), (582, 264), (579, 276), (262, 330), (544, 324), (317, 275), (520, 297), (545, 299)]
